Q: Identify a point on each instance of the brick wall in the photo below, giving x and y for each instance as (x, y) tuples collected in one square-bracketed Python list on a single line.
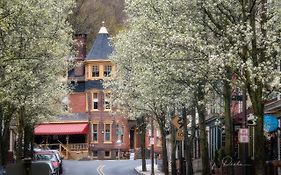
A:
[(77, 102), (80, 46)]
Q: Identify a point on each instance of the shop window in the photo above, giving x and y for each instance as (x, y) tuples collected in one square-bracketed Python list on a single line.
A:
[(95, 153), (107, 154)]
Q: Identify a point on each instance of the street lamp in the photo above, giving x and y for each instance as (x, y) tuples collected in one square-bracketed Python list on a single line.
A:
[(118, 142)]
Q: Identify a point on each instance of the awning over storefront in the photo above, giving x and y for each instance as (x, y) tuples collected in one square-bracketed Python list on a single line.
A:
[(61, 129)]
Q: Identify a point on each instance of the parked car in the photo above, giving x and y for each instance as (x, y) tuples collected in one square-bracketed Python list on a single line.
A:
[(47, 155), (2, 170), (59, 157), (52, 169)]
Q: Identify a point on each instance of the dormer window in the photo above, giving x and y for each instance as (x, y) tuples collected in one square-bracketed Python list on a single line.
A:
[(95, 71), (107, 70), (99, 70)]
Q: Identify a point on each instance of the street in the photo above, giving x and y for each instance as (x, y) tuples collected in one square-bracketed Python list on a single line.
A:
[(100, 167)]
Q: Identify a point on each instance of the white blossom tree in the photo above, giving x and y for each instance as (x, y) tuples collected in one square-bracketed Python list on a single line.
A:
[(247, 35), (35, 40), (160, 64)]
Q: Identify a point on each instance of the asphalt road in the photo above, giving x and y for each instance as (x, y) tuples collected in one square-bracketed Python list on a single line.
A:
[(100, 167)]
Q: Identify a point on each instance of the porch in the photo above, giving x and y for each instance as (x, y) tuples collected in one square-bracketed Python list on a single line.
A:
[(73, 151)]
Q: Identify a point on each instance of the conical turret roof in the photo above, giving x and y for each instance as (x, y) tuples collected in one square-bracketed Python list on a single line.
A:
[(101, 48)]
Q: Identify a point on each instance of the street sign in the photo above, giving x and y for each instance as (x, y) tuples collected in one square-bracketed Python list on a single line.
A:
[(243, 135), (176, 122), (151, 141), (270, 123), (179, 135)]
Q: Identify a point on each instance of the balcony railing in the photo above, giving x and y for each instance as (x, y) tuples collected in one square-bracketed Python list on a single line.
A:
[(78, 146), (66, 149)]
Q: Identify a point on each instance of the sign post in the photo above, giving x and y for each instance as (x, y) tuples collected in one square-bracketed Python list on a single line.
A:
[(180, 135)]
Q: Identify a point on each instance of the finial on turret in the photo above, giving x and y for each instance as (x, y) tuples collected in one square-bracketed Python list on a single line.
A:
[(103, 29)]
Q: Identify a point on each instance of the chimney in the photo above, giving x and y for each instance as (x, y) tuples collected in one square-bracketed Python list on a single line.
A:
[(80, 53), (80, 46)]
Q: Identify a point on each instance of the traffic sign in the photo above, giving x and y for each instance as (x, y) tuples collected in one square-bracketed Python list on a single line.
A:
[(151, 141), (176, 122), (243, 135), (179, 135)]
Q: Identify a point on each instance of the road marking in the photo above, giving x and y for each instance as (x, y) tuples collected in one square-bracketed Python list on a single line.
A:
[(100, 169)]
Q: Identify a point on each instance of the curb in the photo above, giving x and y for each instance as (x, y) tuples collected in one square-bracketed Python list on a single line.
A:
[(141, 173), (148, 172)]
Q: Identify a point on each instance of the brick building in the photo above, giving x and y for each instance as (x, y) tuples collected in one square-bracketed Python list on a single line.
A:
[(91, 128)]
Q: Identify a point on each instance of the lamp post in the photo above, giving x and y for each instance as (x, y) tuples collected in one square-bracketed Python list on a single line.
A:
[(67, 141), (118, 142)]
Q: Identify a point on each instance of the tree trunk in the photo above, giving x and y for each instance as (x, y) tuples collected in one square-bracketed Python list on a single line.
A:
[(28, 141), (202, 132), (20, 129), (161, 120), (173, 150), (187, 145), (164, 150), (258, 56), (142, 129), (258, 108), (227, 114), (193, 130), (152, 147), (5, 117)]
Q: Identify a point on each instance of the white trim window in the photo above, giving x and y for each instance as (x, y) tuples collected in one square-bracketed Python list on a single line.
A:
[(95, 101), (107, 105), (107, 70), (95, 132), (120, 133), (95, 71), (107, 132)]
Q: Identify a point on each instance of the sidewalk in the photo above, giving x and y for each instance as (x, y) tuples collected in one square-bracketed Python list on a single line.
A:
[(148, 172)]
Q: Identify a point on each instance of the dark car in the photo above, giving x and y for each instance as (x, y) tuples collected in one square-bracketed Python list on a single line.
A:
[(37, 166), (48, 156), (2, 170)]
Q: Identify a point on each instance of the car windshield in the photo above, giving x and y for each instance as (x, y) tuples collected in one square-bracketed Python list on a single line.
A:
[(50, 157)]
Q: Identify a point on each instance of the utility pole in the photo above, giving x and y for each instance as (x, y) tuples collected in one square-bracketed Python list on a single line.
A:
[(244, 125), (187, 143), (180, 159), (89, 125)]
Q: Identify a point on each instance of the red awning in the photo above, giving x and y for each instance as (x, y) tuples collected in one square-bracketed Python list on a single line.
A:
[(61, 129)]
